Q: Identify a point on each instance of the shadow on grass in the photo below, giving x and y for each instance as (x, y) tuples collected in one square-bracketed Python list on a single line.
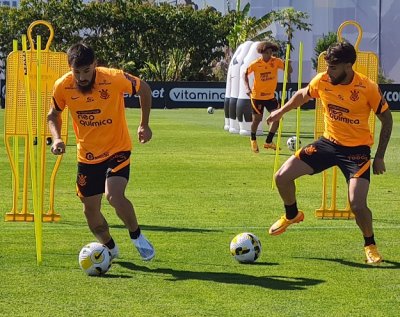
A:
[(271, 282), (146, 227), (385, 265), (169, 229)]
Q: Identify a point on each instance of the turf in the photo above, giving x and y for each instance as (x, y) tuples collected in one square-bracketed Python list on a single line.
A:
[(194, 187)]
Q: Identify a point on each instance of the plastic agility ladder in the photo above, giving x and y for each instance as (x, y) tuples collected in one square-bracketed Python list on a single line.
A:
[(367, 64), (30, 78)]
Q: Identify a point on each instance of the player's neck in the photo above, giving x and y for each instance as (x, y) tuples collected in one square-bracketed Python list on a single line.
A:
[(349, 78)]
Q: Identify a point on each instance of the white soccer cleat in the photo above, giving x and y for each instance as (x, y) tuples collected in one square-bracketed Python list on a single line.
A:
[(144, 247)]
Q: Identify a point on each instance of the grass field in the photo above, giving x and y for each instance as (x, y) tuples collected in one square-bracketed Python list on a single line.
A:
[(195, 186)]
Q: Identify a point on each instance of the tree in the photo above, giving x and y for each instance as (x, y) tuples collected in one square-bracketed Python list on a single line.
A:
[(322, 45), (248, 28), (291, 19), (157, 42)]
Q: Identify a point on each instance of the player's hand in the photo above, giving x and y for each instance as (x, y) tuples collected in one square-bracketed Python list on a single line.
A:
[(274, 116), (378, 166), (144, 133), (58, 147)]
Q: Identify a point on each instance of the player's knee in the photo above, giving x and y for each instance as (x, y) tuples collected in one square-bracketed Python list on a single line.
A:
[(115, 200), (358, 207)]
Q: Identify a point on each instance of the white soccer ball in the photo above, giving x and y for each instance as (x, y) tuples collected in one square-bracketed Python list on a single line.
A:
[(291, 143), (210, 110), (245, 247), (95, 259)]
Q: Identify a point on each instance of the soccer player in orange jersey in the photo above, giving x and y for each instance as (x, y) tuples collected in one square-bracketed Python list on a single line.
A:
[(262, 94), (95, 98), (348, 98)]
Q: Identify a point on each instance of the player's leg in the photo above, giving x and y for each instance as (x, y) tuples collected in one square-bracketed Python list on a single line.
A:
[(115, 194), (311, 159), (358, 191), (257, 114), (95, 219), (90, 189), (271, 105), (116, 181), (292, 169)]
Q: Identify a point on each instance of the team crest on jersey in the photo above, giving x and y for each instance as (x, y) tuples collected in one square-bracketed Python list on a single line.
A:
[(354, 95), (104, 94), (82, 180)]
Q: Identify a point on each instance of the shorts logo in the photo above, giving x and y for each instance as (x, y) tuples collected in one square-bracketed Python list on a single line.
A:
[(360, 159), (354, 95), (82, 180), (309, 150)]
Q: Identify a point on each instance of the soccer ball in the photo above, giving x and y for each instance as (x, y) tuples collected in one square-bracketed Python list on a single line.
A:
[(210, 110), (291, 143), (245, 247), (95, 259)]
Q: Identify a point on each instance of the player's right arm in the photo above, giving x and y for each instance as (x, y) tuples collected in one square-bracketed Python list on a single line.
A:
[(297, 100), (246, 82), (54, 122)]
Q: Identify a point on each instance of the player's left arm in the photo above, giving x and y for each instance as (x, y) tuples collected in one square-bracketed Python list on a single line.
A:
[(386, 119), (145, 99)]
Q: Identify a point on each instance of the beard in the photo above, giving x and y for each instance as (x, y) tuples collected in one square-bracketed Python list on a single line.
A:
[(86, 86), (339, 79)]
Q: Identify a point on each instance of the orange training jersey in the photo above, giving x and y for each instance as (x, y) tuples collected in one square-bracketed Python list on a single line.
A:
[(265, 77), (347, 108), (98, 116)]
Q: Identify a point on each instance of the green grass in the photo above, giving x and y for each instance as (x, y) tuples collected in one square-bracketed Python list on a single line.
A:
[(195, 186)]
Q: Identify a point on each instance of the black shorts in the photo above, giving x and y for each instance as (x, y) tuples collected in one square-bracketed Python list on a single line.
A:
[(91, 178), (322, 154), (258, 105)]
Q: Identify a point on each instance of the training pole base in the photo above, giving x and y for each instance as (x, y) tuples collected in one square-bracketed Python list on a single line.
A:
[(333, 214), (29, 217)]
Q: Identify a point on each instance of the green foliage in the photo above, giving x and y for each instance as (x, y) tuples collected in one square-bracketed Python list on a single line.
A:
[(246, 28), (158, 42), (322, 45)]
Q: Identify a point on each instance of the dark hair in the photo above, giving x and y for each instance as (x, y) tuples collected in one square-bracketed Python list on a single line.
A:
[(341, 52), (80, 55), (263, 46)]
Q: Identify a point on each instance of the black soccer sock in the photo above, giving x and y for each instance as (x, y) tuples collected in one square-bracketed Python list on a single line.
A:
[(253, 136), (135, 234), (291, 211), (110, 244), (270, 136), (369, 241)]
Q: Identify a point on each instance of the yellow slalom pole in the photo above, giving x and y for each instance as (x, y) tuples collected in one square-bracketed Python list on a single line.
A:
[(40, 146), (16, 150), (31, 150), (278, 141), (299, 82)]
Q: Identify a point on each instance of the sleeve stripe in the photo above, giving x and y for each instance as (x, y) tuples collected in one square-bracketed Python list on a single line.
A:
[(56, 105), (379, 108), (133, 89)]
